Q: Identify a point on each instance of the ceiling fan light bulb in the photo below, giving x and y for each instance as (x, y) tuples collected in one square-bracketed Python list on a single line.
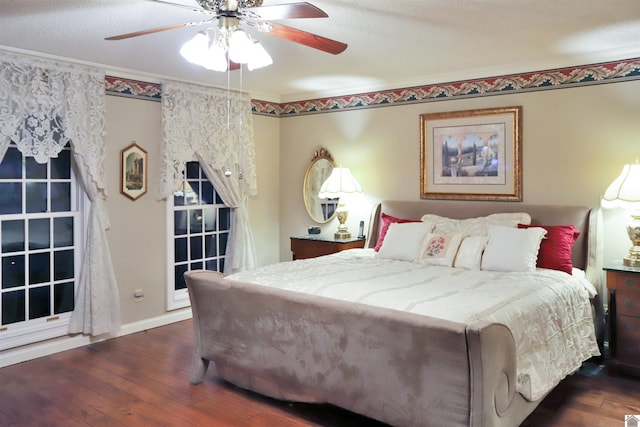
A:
[(195, 49), (259, 57)]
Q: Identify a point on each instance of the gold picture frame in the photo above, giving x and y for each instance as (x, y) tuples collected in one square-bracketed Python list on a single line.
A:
[(472, 154), (133, 171)]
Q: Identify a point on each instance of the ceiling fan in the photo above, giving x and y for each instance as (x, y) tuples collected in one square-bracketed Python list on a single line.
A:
[(231, 14)]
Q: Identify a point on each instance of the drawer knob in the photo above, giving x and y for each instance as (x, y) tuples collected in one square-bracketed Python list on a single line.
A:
[(628, 282), (630, 327), (628, 303)]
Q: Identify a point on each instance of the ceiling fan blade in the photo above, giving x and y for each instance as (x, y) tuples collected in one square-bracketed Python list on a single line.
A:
[(289, 11), (149, 31), (312, 40), (160, 29)]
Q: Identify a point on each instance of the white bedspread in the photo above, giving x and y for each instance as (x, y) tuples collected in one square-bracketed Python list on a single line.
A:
[(548, 312)]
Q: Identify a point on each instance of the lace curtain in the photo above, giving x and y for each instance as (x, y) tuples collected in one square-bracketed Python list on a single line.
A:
[(44, 105), (216, 127)]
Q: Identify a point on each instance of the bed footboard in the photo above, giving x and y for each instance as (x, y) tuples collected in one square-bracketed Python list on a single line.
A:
[(396, 367), (493, 376)]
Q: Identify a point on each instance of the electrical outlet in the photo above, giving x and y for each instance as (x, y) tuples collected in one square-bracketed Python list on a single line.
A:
[(138, 295)]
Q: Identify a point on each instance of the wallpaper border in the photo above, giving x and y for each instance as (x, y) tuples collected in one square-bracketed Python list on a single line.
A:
[(559, 78)]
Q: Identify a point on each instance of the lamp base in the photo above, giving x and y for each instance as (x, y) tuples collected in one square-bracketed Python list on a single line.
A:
[(631, 262), (342, 235)]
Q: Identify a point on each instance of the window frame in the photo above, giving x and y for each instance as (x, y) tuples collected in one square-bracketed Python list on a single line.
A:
[(29, 331), (179, 298)]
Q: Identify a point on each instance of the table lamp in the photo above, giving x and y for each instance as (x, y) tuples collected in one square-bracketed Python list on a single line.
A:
[(340, 184), (624, 192)]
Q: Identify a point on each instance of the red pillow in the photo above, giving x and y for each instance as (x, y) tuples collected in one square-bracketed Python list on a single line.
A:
[(555, 248), (385, 221)]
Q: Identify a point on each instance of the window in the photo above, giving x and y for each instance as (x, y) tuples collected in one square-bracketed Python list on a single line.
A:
[(199, 230), (40, 230)]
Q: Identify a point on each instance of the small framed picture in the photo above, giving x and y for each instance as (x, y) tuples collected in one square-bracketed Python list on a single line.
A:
[(472, 155), (133, 171)]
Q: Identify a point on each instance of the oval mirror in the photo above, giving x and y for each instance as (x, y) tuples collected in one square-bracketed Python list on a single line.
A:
[(320, 210)]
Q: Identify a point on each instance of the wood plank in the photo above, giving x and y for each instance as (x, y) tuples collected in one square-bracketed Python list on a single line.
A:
[(143, 379)]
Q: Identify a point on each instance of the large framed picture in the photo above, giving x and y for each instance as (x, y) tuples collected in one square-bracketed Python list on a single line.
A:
[(471, 155), (133, 171)]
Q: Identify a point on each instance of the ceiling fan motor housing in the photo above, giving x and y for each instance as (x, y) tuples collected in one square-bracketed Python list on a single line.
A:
[(217, 6)]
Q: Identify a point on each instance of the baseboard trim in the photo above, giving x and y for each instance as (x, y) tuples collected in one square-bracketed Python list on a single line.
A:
[(33, 351)]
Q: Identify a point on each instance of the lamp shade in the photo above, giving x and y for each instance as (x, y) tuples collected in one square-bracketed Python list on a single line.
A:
[(624, 191), (339, 183)]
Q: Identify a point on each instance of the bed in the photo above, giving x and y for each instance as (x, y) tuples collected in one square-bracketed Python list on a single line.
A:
[(378, 335)]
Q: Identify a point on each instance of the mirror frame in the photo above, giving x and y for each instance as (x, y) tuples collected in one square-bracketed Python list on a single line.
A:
[(321, 155)]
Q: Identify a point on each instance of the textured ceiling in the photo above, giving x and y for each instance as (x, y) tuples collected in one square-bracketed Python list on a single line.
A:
[(392, 44)]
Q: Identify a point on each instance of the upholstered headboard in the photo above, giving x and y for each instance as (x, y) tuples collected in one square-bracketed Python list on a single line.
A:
[(579, 216)]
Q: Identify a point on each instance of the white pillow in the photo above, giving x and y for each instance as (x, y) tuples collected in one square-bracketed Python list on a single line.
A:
[(403, 241), (470, 252), (439, 249), (512, 249), (475, 226)]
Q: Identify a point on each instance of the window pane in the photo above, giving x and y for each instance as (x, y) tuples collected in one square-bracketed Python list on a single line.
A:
[(196, 265), (11, 165), (63, 265), (63, 232), (63, 297), (207, 193), (60, 197), (196, 247), (180, 270), (39, 302), (180, 222), (39, 233), (225, 219), (210, 248), (12, 236), (210, 219), (193, 170), (219, 199), (13, 307), (195, 198), (10, 197), (178, 196), (223, 243), (36, 197), (180, 250), (39, 268), (34, 170), (212, 265), (195, 221), (61, 166), (12, 271)]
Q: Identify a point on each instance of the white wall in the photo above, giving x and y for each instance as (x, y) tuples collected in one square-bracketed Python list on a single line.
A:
[(574, 142)]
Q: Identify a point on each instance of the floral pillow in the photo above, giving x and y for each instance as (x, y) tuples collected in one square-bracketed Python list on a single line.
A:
[(439, 249)]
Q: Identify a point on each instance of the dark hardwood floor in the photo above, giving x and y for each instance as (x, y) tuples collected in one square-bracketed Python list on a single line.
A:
[(143, 380)]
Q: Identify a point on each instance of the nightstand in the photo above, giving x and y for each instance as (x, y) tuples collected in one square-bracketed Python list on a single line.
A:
[(623, 284), (313, 245)]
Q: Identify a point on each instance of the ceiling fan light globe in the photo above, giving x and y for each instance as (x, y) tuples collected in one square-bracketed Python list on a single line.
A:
[(240, 47), (215, 59), (196, 49), (259, 57)]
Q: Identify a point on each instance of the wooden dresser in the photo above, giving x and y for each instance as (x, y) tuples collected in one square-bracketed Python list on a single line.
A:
[(313, 245), (623, 284)]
